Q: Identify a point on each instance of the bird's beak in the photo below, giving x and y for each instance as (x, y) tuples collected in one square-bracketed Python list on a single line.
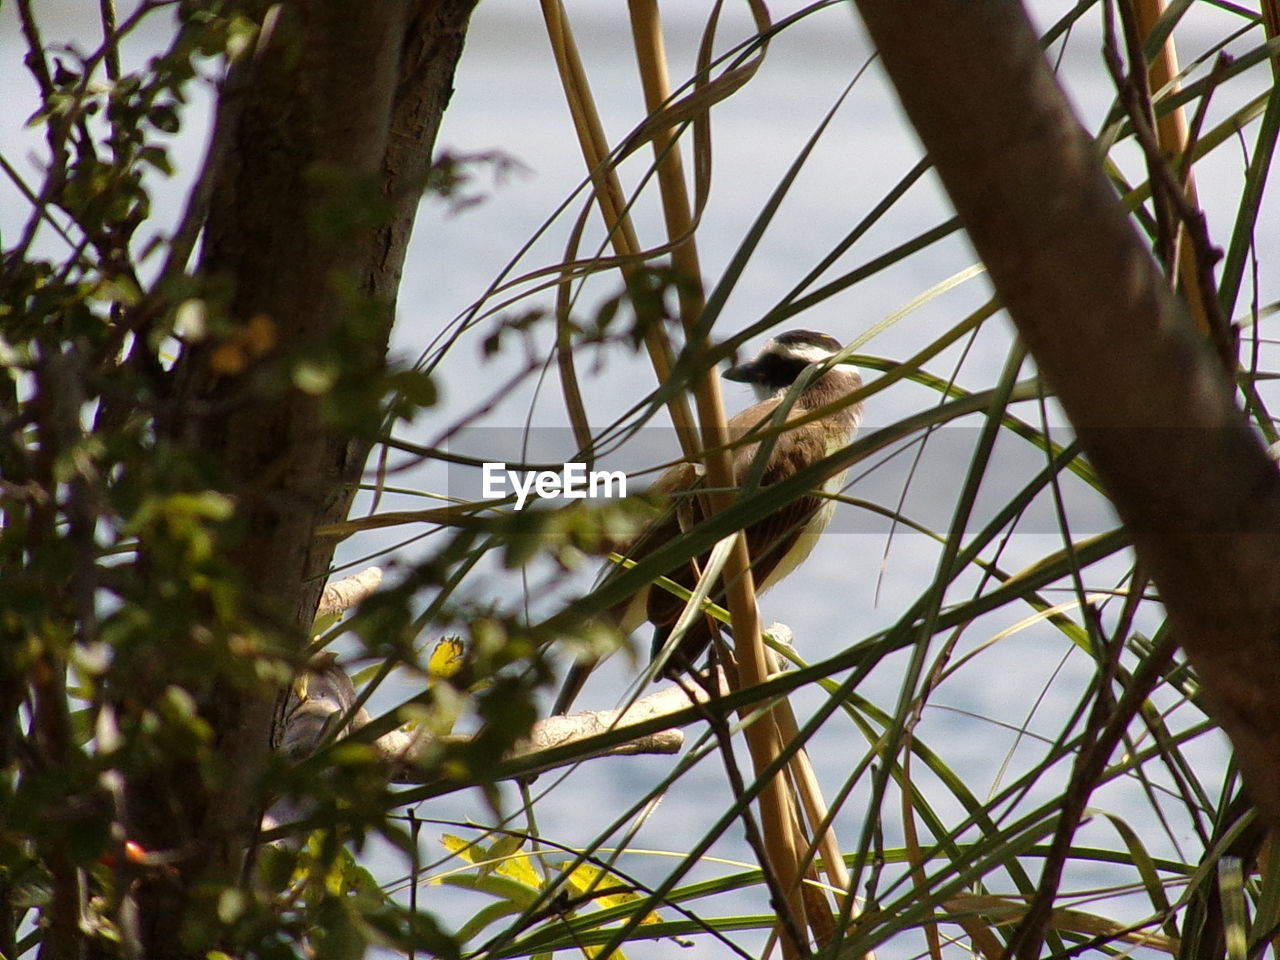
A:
[(742, 373)]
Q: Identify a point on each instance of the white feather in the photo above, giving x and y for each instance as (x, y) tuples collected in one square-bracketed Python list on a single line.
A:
[(808, 352)]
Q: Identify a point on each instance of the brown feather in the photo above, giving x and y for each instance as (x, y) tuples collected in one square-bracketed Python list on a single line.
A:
[(774, 541), (771, 539)]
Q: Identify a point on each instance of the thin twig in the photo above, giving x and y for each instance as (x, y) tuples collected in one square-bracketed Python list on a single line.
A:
[(110, 39), (29, 195), (1134, 87), (764, 739), (55, 132)]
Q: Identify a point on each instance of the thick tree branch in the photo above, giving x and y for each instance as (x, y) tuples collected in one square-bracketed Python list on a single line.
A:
[(1150, 402), (1153, 407), (344, 594)]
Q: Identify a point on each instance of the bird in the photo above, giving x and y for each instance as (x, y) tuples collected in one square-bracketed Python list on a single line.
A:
[(778, 542)]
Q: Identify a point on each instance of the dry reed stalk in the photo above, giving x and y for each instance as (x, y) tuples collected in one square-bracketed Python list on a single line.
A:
[(609, 196), (778, 814), (911, 843), (808, 790), (815, 809), (780, 806), (1171, 134)]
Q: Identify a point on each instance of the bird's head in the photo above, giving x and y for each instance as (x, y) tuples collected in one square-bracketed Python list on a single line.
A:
[(782, 360)]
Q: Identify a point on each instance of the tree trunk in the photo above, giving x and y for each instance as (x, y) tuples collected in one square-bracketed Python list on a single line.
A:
[(328, 141)]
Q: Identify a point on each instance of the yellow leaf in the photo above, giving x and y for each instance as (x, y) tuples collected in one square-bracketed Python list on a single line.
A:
[(446, 659), (519, 869), (512, 863), (466, 849), (586, 877)]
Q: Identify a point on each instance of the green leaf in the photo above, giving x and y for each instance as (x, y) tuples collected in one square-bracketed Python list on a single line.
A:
[(415, 386)]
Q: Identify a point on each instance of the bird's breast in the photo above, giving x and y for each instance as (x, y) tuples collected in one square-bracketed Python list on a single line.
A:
[(835, 440)]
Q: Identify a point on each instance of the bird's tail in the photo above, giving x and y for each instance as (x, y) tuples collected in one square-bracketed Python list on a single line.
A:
[(572, 686), (684, 656), (627, 617)]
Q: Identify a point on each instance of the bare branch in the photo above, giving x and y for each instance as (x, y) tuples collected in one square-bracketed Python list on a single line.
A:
[(345, 594), (402, 747), (325, 695), (110, 37)]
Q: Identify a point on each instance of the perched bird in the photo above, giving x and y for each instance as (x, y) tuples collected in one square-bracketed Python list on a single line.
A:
[(778, 542)]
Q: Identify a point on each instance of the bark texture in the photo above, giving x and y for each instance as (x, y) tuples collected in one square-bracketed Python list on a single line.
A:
[(336, 96), (1152, 406)]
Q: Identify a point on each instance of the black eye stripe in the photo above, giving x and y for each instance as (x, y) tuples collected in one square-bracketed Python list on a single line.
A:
[(777, 370)]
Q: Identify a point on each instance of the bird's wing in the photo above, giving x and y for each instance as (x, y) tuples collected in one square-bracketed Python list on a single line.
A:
[(772, 538), (679, 514), (679, 484)]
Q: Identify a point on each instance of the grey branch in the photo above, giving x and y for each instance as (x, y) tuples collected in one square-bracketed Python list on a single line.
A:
[(345, 594), (402, 748), (325, 696)]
